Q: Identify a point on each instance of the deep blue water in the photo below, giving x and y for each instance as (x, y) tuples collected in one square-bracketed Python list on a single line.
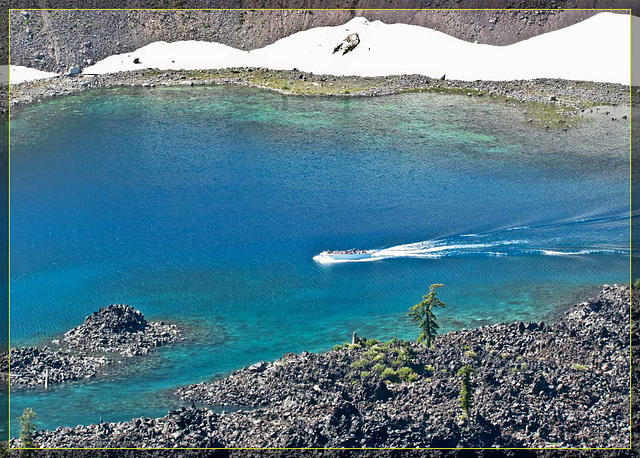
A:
[(205, 207)]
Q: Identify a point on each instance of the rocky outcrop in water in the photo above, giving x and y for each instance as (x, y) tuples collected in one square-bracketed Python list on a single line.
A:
[(535, 385), (34, 367), (82, 351), (120, 329)]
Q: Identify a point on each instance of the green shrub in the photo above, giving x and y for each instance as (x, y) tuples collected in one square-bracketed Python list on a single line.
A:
[(390, 375), (370, 354), (398, 363), (371, 342), (355, 346), (337, 347), (470, 354), (407, 374), (378, 368), (360, 364), (388, 344), (429, 368), (636, 284), (579, 367), (365, 374), (380, 357), (407, 355)]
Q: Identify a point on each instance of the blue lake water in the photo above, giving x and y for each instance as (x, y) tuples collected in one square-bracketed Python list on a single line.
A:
[(205, 206)]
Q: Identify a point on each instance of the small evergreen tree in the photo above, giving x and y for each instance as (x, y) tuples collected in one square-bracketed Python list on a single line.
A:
[(466, 391), (423, 313), (27, 428)]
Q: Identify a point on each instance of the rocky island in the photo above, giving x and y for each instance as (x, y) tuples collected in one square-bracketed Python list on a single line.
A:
[(120, 329), (561, 384), (82, 352)]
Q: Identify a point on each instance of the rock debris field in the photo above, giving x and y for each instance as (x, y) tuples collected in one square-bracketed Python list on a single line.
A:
[(561, 384)]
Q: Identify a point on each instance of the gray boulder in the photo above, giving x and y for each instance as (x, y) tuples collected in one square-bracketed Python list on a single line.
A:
[(348, 44)]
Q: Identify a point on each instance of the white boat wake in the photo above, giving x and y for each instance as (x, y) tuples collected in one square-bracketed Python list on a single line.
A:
[(538, 241), (436, 250), (432, 249)]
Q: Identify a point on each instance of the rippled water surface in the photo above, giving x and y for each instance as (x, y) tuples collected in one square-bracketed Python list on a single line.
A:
[(206, 206)]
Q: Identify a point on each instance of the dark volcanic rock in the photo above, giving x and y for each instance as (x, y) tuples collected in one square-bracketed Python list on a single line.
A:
[(31, 366), (559, 384), (114, 329), (120, 329)]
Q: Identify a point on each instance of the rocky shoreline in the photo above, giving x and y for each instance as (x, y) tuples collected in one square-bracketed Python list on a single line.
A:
[(548, 102), (83, 351), (564, 384)]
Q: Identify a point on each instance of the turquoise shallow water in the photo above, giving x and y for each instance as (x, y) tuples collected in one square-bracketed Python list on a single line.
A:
[(205, 207)]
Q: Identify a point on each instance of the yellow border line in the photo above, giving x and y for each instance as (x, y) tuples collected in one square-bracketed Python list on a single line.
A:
[(330, 9)]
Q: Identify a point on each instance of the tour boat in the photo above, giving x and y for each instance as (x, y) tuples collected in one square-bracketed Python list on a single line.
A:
[(347, 254)]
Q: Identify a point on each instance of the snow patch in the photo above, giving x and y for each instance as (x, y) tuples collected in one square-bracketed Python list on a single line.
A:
[(597, 49), (20, 74)]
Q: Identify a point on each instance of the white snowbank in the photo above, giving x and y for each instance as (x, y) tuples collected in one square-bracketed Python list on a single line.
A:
[(596, 49), (20, 74)]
